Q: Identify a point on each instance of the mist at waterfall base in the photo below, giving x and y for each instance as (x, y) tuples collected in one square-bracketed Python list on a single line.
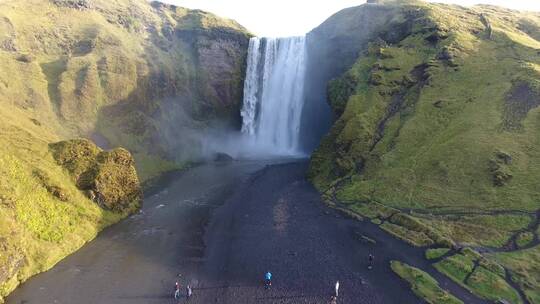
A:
[(273, 113)]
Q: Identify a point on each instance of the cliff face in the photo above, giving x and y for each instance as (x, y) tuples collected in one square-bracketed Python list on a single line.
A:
[(443, 77), (123, 73), (435, 114), (332, 48), (145, 76)]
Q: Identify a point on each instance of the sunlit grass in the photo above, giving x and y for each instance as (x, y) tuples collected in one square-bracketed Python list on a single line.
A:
[(423, 285), (435, 158)]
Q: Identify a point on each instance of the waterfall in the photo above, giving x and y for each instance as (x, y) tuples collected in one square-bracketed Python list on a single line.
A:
[(273, 94)]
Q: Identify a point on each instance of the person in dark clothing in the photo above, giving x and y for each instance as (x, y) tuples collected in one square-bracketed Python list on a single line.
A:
[(177, 290), (371, 259)]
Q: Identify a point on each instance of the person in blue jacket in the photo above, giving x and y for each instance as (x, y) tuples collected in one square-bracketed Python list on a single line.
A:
[(268, 279)]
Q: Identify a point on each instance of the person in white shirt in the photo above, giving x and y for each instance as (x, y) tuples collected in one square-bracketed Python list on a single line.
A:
[(189, 291)]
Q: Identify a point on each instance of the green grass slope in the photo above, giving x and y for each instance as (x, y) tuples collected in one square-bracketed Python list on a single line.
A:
[(43, 215), (423, 285), (124, 73), (442, 123)]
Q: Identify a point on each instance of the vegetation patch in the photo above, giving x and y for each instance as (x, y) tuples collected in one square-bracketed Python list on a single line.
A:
[(491, 286), (458, 267), (481, 276), (412, 237), (419, 227), (423, 285), (524, 238), (373, 210), (484, 230), (405, 226), (524, 269), (436, 253)]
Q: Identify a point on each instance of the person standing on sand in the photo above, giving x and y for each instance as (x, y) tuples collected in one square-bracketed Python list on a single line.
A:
[(268, 279), (337, 289), (370, 261), (189, 291)]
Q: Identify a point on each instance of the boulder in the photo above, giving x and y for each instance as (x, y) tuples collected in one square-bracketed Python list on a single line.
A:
[(115, 182), (108, 178), (223, 157)]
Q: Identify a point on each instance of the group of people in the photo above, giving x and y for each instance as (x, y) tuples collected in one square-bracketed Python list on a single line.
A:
[(268, 284), (177, 291), (333, 299)]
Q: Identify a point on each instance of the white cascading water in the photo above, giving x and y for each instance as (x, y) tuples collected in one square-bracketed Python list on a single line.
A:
[(273, 94)]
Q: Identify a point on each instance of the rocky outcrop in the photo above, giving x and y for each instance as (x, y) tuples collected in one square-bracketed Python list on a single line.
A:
[(499, 166), (108, 178), (75, 4)]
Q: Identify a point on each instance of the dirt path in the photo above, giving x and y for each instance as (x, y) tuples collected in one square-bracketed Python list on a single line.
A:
[(273, 220)]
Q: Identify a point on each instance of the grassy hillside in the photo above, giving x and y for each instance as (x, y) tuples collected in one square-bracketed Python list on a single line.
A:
[(423, 285), (440, 122), (122, 72), (43, 215), (144, 76)]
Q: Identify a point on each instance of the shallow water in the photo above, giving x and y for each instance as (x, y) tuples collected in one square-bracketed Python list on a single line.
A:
[(138, 259)]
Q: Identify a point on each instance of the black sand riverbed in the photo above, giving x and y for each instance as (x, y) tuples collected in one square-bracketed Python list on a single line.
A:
[(221, 227)]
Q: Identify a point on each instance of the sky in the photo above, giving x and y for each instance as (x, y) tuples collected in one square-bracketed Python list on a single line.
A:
[(281, 18)]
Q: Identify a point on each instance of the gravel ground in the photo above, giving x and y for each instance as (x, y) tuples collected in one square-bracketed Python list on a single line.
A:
[(276, 222), (220, 227)]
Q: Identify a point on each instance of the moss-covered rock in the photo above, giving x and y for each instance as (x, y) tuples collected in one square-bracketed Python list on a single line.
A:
[(116, 184), (107, 177), (77, 156)]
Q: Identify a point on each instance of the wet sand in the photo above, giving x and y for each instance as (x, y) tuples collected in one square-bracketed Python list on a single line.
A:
[(221, 227)]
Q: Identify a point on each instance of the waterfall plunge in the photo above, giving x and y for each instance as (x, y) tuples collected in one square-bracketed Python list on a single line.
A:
[(273, 94)]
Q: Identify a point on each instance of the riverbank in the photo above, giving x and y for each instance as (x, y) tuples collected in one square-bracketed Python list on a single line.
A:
[(221, 226), (278, 222), (137, 260)]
